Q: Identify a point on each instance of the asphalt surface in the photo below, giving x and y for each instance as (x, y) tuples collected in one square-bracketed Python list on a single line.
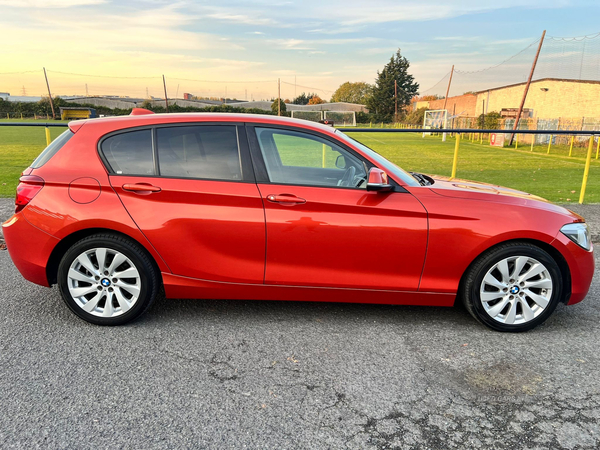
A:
[(286, 375)]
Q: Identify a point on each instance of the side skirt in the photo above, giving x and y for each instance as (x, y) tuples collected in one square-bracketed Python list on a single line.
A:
[(182, 287)]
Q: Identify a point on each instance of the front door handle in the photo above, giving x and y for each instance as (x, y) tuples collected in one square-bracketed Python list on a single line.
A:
[(141, 188), (285, 198)]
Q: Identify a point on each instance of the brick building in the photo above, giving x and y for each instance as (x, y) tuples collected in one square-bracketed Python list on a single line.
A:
[(547, 98)]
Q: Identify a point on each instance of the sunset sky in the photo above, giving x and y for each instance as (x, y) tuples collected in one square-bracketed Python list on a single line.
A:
[(239, 47)]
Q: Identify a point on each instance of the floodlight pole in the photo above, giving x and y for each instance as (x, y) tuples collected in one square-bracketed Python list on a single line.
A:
[(166, 98), (537, 54), (49, 95)]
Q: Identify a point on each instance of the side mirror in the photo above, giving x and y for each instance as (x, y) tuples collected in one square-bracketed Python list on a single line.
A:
[(340, 162), (378, 181)]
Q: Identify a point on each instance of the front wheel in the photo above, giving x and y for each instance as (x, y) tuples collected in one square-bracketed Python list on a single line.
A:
[(107, 279), (513, 287)]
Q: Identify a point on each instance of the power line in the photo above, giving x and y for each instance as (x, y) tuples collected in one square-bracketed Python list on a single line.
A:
[(102, 76), (306, 87)]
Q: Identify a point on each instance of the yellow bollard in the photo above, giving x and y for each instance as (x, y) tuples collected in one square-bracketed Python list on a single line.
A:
[(455, 160), (549, 144), (516, 141), (48, 138), (532, 141), (586, 171), (598, 147), (571, 148)]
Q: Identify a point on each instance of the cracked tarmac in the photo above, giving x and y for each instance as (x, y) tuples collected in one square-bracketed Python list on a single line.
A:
[(292, 375)]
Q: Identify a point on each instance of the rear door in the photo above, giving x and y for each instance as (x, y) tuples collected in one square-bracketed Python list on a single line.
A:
[(191, 190)]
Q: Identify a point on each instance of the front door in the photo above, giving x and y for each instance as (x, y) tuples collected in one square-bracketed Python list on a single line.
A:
[(190, 194), (323, 227)]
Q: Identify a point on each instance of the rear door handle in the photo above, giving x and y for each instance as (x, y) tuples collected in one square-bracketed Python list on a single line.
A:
[(285, 198), (141, 188)]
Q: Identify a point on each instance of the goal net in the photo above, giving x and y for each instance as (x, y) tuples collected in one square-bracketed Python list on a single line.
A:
[(341, 118), (437, 118), (313, 116)]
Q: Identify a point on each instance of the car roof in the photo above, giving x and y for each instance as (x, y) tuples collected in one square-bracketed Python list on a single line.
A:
[(121, 122)]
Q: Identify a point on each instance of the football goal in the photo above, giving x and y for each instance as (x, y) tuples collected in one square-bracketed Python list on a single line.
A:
[(437, 118), (313, 116), (341, 118)]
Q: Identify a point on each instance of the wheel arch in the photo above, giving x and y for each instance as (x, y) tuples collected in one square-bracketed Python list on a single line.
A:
[(552, 251), (65, 243)]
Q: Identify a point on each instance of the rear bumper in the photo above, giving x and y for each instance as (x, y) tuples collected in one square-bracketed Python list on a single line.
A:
[(581, 265), (29, 248)]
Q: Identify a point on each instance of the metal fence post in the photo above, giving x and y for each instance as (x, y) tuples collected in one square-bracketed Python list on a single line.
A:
[(571, 148), (48, 138), (598, 147), (586, 171), (455, 161)]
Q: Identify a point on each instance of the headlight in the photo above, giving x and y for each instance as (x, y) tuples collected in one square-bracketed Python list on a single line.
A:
[(578, 233)]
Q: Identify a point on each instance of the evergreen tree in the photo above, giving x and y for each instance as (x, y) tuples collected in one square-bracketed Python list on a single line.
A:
[(382, 102)]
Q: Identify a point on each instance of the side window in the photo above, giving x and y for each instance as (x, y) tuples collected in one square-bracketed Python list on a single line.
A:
[(293, 157), (130, 153), (52, 149), (204, 151)]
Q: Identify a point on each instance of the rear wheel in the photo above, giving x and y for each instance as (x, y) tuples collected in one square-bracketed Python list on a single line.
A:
[(513, 287), (107, 279)]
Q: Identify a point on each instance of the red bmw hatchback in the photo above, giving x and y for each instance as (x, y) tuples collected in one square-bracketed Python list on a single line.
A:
[(257, 207)]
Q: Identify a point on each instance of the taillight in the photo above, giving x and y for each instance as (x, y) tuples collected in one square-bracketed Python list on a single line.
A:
[(29, 186)]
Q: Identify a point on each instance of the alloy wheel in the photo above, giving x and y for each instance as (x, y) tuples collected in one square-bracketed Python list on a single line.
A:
[(104, 282), (516, 290)]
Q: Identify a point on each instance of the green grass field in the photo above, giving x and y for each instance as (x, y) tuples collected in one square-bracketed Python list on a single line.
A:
[(556, 177)]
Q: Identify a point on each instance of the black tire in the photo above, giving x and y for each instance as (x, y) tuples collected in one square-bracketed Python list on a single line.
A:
[(148, 276), (470, 287)]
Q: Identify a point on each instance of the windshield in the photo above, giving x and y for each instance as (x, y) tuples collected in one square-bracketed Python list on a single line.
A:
[(388, 166)]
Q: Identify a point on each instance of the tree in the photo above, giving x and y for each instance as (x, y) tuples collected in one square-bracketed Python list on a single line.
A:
[(416, 117), (358, 92), (303, 99), (490, 122), (315, 100), (382, 101), (281, 106)]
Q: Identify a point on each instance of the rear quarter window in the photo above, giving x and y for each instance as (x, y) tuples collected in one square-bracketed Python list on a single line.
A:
[(52, 149), (129, 153)]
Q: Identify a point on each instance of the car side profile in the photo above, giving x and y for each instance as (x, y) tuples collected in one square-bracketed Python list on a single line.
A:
[(241, 206)]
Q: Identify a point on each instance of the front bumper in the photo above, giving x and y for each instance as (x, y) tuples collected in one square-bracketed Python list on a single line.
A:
[(581, 266), (29, 248)]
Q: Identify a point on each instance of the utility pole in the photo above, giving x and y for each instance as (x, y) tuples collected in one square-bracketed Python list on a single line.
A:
[(520, 111), (49, 95), (396, 100), (448, 88), (278, 96), (446, 100), (166, 98)]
